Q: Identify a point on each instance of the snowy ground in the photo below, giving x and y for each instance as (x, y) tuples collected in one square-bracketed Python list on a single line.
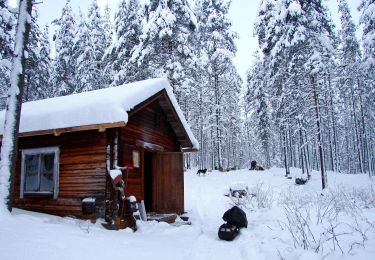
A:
[(344, 229)]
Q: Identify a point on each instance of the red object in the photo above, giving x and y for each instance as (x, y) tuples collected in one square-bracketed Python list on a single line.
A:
[(117, 179)]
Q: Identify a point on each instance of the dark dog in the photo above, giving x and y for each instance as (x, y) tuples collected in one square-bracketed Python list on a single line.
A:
[(256, 167), (201, 171)]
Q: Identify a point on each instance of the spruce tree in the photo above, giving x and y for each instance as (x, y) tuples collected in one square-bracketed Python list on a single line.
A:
[(349, 85), (165, 49), (44, 89), (89, 47), (106, 61), (297, 40), (99, 42), (38, 70), (108, 27), (128, 27), (63, 74), (222, 82), (258, 106), (83, 55), (367, 21), (6, 48)]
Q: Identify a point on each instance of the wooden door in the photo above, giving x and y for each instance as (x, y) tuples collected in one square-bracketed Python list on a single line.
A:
[(168, 190)]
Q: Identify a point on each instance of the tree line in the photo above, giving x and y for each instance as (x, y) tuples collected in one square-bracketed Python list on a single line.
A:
[(311, 90), (308, 100)]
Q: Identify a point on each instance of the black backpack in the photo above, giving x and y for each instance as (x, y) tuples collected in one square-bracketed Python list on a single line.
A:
[(235, 216), (228, 232), (300, 181)]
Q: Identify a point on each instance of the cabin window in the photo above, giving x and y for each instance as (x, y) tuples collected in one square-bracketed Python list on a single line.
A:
[(136, 159), (40, 171)]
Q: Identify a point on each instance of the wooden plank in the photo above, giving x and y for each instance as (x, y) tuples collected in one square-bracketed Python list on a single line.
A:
[(59, 131)]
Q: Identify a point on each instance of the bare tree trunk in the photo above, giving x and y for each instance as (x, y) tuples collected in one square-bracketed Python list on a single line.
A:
[(286, 157), (319, 134), (330, 141), (366, 144), (248, 139), (212, 153), (357, 141), (201, 151), (218, 119), (291, 150), (335, 145), (9, 149), (348, 157), (301, 149)]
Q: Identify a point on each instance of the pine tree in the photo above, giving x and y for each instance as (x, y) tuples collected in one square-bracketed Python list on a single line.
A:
[(44, 89), (347, 72), (222, 84), (99, 42), (32, 58), (63, 74), (258, 106), (83, 55), (165, 49), (367, 20), (109, 32), (6, 48), (128, 27), (108, 27), (89, 47), (38, 68), (297, 40)]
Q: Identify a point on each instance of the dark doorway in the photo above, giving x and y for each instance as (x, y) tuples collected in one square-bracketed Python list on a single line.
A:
[(148, 180)]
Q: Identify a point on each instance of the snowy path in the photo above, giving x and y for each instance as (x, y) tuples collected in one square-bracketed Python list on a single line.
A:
[(37, 236)]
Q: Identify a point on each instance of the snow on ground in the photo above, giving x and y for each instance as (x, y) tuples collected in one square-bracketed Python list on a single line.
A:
[(29, 235)]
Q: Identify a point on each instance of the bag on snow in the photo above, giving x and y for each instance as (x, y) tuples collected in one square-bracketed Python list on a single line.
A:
[(300, 181), (235, 216), (228, 232)]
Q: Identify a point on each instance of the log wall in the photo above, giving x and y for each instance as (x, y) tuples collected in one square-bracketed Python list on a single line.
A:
[(82, 173), (150, 125)]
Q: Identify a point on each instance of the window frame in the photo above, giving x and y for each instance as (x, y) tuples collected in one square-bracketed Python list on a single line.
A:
[(40, 151)]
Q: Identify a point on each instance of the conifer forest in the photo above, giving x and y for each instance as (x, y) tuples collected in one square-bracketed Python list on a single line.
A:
[(308, 100)]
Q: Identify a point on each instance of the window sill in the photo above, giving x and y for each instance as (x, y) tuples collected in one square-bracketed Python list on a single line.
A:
[(38, 194)]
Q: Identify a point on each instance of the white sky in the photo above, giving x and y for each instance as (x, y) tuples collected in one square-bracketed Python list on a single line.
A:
[(242, 14)]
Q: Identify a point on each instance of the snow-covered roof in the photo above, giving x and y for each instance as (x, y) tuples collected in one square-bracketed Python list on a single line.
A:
[(103, 106)]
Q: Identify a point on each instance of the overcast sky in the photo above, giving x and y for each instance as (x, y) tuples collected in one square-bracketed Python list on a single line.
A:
[(242, 13)]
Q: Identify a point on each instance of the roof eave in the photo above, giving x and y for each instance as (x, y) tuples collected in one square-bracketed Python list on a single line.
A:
[(59, 131)]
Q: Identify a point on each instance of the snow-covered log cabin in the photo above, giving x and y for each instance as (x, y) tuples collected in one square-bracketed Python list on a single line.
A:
[(68, 145)]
